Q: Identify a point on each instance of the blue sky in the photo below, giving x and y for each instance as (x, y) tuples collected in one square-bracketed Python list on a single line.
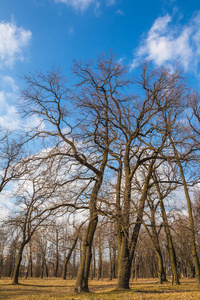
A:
[(37, 34)]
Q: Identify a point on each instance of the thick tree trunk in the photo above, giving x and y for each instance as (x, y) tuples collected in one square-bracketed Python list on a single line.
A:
[(17, 263), (124, 265), (127, 251), (83, 273), (161, 270), (123, 252), (123, 222)]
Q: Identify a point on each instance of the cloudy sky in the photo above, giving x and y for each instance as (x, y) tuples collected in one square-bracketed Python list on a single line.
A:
[(36, 34)]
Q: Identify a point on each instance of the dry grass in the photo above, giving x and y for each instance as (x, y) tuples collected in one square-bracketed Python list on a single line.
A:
[(53, 288)]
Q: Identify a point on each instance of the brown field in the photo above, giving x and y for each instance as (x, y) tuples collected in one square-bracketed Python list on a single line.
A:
[(56, 288)]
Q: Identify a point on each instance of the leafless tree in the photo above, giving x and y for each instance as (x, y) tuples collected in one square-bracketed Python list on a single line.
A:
[(33, 210), (11, 155)]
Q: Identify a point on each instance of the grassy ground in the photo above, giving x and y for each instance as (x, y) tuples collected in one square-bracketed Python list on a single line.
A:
[(53, 288)]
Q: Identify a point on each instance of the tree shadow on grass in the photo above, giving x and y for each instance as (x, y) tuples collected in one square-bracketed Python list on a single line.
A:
[(143, 291), (37, 285)]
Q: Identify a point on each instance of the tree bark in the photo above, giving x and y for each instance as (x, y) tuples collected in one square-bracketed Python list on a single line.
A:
[(17, 264), (83, 273), (127, 251)]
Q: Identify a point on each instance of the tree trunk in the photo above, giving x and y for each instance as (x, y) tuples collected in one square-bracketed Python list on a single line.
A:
[(126, 253), (64, 272), (74, 265), (43, 264), (94, 262), (47, 270), (102, 271), (83, 273), (170, 246), (57, 255), (17, 263), (31, 260), (161, 270), (123, 226), (99, 258), (114, 262), (27, 271), (124, 265), (111, 261)]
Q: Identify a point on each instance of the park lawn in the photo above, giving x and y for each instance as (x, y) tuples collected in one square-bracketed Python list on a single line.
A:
[(56, 288)]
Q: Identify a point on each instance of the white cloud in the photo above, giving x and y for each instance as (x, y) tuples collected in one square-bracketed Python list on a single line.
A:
[(9, 115), (13, 40), (77, 4), (110, 2), (9, 91), (10, 120), (167, 43), (6, 204), (84, 4), (9, 81)]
